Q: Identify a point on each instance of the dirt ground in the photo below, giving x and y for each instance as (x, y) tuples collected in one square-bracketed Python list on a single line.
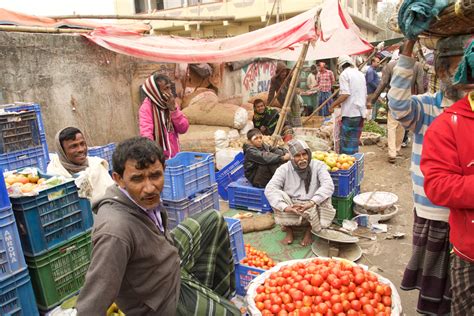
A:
[(391, 255)]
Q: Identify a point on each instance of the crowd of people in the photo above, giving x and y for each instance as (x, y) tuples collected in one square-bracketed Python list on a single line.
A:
[(193, 271)]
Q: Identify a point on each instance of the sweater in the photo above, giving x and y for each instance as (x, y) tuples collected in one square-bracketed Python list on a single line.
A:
[(415, 113), (286, 179), (133, 263), (448, 166), (178, 119)]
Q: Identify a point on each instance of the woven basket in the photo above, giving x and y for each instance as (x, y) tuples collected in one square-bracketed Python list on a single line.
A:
[(455, 19)]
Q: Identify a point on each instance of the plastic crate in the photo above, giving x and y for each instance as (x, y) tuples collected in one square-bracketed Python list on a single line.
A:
[(242, 195), (236, 238), (19, 106), (16, 295), (202, 201), (53, 216), (344, 181), (232, 172), (18, 131), (44, 144), (243, 276), (188, 173), (60, 273), (360, 167), (11, 254), (105, 152), (31, 157), (344, 206), (4, 200)]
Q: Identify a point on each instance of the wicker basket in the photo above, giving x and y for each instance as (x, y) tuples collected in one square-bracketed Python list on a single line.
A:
[(455, 19)]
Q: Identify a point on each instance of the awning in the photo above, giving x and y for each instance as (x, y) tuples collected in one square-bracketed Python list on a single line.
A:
[(337, 35)]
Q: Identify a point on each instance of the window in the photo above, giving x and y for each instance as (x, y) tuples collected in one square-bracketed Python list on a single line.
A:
[(220, 32), (148, 6)]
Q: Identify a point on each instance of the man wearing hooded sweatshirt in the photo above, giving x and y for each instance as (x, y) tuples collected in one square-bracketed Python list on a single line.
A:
[(447, 162), (261, 160), (72, 161), (142, 265), (428, 267), (300, 193)]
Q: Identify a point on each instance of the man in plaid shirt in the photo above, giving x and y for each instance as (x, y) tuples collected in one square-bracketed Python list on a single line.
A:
[(324, 82)]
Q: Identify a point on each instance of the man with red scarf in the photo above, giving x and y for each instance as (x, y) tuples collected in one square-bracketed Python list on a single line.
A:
[(160, 118)]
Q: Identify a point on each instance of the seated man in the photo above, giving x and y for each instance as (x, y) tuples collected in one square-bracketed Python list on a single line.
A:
[(300, 193), (261, 160), (266, 119), (139, 263), (72, 158)]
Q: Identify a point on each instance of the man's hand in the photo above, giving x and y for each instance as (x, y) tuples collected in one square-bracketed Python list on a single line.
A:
[(369, 104), (293, 209), (171, 103), (331, 109), (286, 157), (408, 48), (307, 205)]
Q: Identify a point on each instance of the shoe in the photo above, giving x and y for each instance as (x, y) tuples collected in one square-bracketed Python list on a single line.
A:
[(391, 159)]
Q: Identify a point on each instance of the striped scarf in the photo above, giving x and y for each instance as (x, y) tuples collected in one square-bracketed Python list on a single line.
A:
[(161, 114)]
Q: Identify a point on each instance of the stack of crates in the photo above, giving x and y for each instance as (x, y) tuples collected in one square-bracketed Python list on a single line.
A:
[(22, 137), (346, 186), (54, 228), (16, 291), (105, 152), (190, 186)]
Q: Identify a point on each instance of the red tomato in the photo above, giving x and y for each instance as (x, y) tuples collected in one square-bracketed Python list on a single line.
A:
[(346, 305), (276, 300), (368, 310), (359, 292), (336, 283), (282, 313), (331, 278), (281, 281), (286, 298), (387, 301), (302, 272), (388, 290), (307, 300), (345, 280), (308, 290), (305, 311), (290, 307), (316, 280), (297, 295), (317, 299), (359, 278), (326, 296), (380, 289), (322, 308), (337, 308), (275, 309), (267, 304), (267, 312), (356, 305), (335, 299), (351, 286), (298, 304), (260, 306), (351, 296), (286, 273), (364, 300), (352, 312), (377, 297), (365, 286)]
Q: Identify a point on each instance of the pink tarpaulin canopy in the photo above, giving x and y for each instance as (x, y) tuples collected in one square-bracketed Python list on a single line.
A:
[(338, 35)]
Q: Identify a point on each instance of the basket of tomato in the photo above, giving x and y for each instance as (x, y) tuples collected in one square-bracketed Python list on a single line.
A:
[(322, 286)]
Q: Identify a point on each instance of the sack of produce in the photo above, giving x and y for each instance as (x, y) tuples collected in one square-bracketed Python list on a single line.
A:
[(188, 97), (200, 138), (343, 284)]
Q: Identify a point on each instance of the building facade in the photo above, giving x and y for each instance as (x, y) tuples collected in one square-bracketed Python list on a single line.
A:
[(249, 15)]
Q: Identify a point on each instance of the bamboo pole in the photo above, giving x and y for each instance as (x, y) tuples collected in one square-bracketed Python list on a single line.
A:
[(291, 90), (277, 94), (145, 17), (39, 29)]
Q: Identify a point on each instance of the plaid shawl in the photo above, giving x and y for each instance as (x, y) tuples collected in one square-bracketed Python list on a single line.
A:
[(296, 146), (161, 115)]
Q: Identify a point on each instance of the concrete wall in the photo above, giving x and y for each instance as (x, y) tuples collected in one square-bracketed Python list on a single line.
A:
[(76, 82)]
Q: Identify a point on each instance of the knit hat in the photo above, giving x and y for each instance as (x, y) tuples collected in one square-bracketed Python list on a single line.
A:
[(296, 146)]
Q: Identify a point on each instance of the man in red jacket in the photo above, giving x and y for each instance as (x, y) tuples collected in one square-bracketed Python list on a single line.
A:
[(447, 163)]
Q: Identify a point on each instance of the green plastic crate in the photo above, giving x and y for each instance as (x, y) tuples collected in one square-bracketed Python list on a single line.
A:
[(344, 206), (60, 273)]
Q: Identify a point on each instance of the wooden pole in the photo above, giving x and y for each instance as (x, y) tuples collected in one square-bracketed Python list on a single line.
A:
[(277, 94), (291, 90), (145, 17), (38, 29)]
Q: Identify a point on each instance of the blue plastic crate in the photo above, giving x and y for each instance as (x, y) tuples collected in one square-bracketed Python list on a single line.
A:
[(202, 201), (243, 195), (18, 131), (188, 173), (44, 144), (344, 181), (243, 276), (11, 254), (236, 238), (53, 216), (18, 107), (16, 295), (232, 172), (31, 157), (105, 152), (4, 200), (360, 157)]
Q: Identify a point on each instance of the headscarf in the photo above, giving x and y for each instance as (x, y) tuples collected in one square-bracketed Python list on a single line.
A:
[(161, 115), (296, 146), (466, 66), (71, 167), (269, 119)]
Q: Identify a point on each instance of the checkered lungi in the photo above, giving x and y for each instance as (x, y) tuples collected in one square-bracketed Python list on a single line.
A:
[(462, 286), (320, 216)]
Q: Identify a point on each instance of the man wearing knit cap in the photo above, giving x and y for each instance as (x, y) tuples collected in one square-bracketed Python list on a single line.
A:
[(300, 193)]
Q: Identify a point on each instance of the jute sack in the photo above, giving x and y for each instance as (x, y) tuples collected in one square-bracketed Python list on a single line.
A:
[(200, 138), (206, 111), (188, 97), (257, 223)]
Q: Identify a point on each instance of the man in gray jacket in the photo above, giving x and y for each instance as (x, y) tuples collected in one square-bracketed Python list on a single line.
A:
[(300, 193), (139, 263)]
